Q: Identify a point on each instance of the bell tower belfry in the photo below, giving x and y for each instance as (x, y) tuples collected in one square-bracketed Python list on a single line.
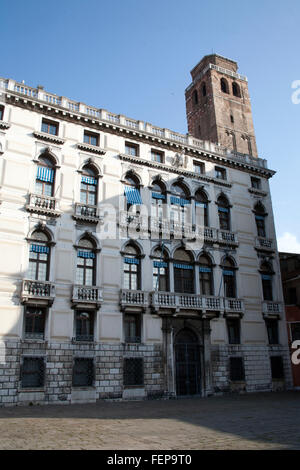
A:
[(218, 105)]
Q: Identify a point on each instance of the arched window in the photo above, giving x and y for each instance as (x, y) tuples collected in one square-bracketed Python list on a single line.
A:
[(158, 200), (86, 262), (39, 256), (88, 186), (203, 89), (224, 85), (205, 275), (132, 190), (44, 183), (266, 279), (195, 97), (132, 267), (229, 279), (224, 213), (160, 270), (201, 208), (236, 90), (183, 272), (260, 214), (179, 202)]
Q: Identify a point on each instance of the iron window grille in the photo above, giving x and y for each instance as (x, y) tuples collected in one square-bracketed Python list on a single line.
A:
[(83, 372), (133, 372), (33, 372), (277, 367), (236, 367)]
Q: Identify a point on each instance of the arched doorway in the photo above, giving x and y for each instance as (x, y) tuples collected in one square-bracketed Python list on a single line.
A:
[(187, 357)]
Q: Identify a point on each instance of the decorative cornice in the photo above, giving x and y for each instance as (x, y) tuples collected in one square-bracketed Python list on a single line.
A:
[(49, 137), (90, 148)]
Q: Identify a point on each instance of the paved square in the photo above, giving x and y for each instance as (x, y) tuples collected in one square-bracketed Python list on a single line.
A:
[(254, 421)]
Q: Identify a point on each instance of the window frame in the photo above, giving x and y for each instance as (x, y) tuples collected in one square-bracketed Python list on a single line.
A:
[(90, 377), (40, 361), (48, 123), (132, 146), (88, 136)]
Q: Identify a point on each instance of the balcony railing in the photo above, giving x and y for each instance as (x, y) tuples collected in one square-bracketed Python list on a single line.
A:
[(87, 295), (133, 221), (270, 307), (227, 238), (86, 212), (133, 298), (43, 204), (233, 305), (84, 338), (262, 243), (172, 300), (37, 290)]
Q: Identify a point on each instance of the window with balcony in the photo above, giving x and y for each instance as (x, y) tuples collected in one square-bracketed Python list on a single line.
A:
[(88, 186), (44, 183), (131, 267), (179, 203), (266, 279), (158, 199), (34, 322), (91, 138), (160, 270), (132, 328), (49, 127), (86, 262), (224, 213), (83, 372), (272, 330), (39, 256), (260, 214), (205, 275), (84, 321), (131, 149), (229, 279), (234, 333), (33, 372), (183, 272), (132, 192), (201, 209)]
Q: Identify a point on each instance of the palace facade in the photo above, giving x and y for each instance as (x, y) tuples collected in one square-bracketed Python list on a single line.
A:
[(137, 262)]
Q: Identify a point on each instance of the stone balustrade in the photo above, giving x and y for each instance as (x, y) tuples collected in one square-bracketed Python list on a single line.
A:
[(43, 204), (37, 290)]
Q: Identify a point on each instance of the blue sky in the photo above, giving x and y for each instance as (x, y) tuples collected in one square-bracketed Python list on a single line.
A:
[(134, 57)]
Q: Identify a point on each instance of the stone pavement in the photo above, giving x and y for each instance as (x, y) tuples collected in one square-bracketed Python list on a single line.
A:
[(254, 421)]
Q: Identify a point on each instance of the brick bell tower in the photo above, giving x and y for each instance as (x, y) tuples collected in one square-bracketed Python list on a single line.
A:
[(218, 105)]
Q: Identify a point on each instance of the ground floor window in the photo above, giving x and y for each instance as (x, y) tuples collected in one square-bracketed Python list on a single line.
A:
[(236, 366), (35, 322), (233, 326), (277, 367), (132, 328), (83, 372), (84, 325), (33, 372), (133, 371)]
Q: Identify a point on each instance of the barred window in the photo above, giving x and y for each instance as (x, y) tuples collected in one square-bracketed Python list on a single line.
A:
[(33, 372), (236, 366), (277, 367), (83, 372), (133, 371)]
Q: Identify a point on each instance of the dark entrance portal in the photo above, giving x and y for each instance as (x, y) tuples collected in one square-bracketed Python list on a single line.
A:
[(187, 357)]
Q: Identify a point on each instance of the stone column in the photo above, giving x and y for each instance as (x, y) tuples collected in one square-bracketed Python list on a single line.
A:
[(168, 356)]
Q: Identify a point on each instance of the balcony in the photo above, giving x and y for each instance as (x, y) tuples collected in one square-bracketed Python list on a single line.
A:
[(271, 309), (235, 306), (87, 295), (206, 234), (264, 244), (41, 204), (133, 221), (177, 301), (227, 238), (42, 292), (133, 299), (87, 213)]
